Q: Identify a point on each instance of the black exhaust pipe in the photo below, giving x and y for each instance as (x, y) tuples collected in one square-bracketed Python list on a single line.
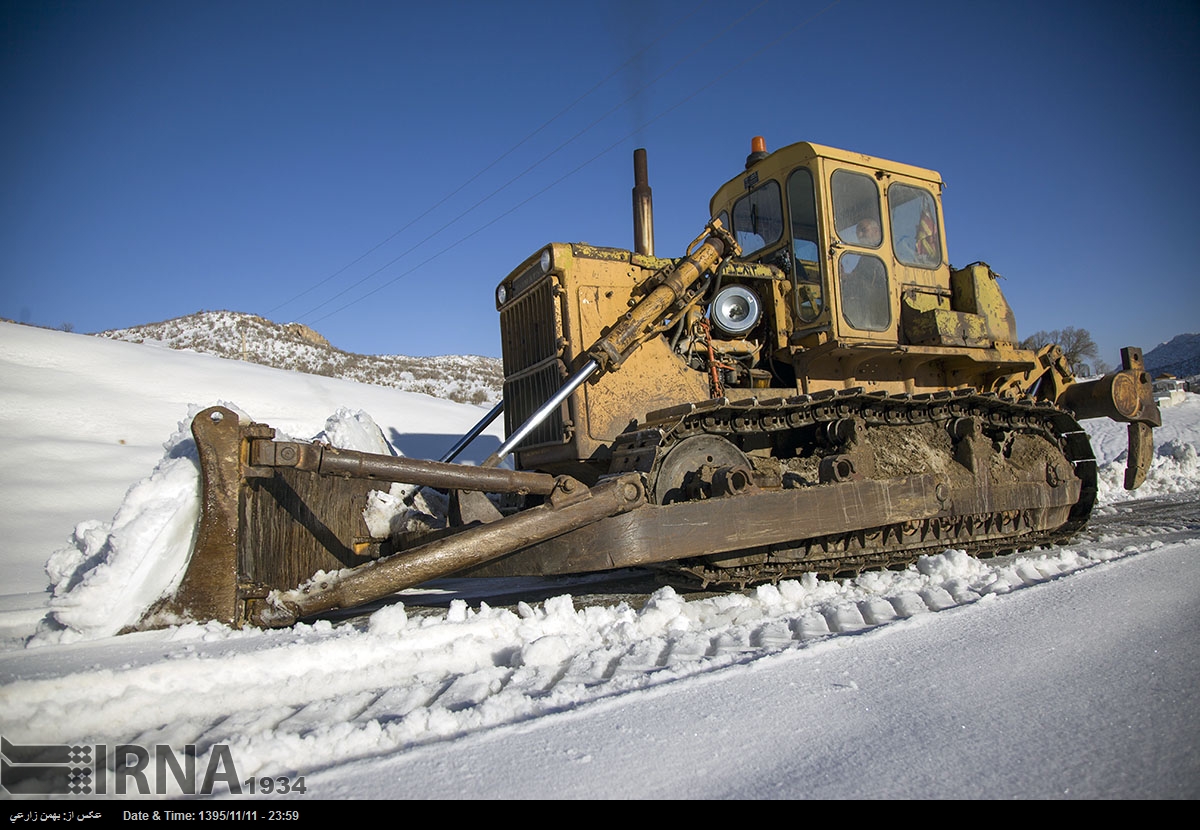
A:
[(643, 208)]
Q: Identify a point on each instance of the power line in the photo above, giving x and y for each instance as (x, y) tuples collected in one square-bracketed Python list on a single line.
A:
[(701, 47), (572, 172), (485, 169)]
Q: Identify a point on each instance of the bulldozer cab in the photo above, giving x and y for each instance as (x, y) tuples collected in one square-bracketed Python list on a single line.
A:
[(852, 233)]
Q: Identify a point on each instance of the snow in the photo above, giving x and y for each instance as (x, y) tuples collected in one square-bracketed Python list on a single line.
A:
[(1175, 468), (241, 336), (1065, 673)]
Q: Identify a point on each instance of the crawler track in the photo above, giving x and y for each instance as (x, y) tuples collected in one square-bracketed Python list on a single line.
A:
[(974, 440)]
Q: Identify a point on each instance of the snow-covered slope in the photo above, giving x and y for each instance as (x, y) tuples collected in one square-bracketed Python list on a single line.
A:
[(1179, 356), (238, 336), (83, 418)]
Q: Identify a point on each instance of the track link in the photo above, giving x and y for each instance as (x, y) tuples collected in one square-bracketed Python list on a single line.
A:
[(821, 426)]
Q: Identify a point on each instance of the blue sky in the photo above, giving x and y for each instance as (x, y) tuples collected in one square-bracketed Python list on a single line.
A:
[(373, 169)]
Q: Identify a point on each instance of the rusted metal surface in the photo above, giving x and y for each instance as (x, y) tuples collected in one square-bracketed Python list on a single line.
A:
[(296, 523), (471, 547), (663, 533), (961, 489), (1141, 453), (331, 461), (208, 590), (276, 512)]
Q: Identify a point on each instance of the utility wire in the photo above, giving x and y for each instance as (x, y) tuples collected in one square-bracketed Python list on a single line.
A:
[(752, 56), (485, 169), (701, 47)]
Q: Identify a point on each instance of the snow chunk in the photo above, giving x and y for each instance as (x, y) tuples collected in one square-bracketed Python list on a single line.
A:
[(404, 509), (349, 429)]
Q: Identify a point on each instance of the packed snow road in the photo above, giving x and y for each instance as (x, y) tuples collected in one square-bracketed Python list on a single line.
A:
[(1173, 517), (1082, 687)]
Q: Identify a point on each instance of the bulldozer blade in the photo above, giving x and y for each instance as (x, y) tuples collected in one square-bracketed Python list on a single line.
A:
[(258, 531), (208, 590), (276, 513)]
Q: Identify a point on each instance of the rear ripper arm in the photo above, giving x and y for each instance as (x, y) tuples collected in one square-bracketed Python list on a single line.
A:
[(1125, 395)]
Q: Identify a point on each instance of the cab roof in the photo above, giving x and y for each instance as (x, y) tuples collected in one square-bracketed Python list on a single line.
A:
[(778, 163)]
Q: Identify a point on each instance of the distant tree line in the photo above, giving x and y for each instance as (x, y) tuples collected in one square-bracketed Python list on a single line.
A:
[(1077, 347)]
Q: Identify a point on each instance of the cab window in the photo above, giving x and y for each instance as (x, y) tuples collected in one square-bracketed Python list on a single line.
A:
[(856, 209), (802, 205), (807, 299), (915, 236), (862, 277), (758, 218), (866, 301)]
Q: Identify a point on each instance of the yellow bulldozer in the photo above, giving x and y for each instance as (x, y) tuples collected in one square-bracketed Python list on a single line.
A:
[(810, 387)]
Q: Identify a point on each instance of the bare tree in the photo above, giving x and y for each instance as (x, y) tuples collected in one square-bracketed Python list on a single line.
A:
[(1039, 339), (1077, 346)]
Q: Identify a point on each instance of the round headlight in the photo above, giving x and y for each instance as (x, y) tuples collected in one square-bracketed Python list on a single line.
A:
[(736, 309), (501, 295), (545, 261)]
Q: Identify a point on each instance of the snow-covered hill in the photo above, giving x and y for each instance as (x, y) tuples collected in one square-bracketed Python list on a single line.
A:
[(238, 336), (1179, 356), (1066, 673)]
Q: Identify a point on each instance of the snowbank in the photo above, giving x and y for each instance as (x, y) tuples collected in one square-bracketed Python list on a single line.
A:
[(1175, 467)]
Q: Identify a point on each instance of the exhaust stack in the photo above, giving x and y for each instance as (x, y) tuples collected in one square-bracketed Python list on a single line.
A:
[(643, 208)]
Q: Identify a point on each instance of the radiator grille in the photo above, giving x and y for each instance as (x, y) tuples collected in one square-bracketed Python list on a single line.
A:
[(529, 328), (525, 392), (531, 337)]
